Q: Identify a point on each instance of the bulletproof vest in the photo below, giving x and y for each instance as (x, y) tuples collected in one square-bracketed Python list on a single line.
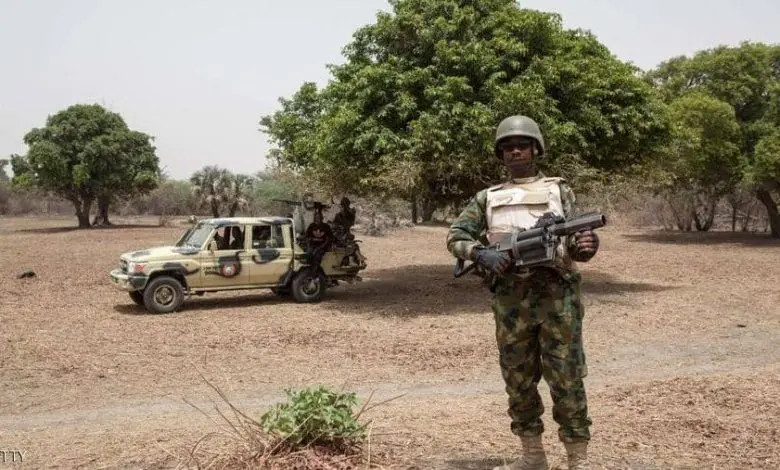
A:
[(518, 205)]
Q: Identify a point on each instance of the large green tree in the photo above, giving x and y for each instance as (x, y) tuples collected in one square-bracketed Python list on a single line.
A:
[(701, 163), (87, 153), (413, 109), (747, 78)]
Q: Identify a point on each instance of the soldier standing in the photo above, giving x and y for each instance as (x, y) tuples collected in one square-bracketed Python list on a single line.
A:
[(538, 311)]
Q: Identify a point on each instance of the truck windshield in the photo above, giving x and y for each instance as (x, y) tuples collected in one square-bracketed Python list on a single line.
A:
[(197, 236)]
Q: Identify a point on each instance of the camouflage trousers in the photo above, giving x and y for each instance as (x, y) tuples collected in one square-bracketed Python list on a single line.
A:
[(539, 334)]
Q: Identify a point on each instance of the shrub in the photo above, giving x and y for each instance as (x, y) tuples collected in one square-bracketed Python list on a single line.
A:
[(315, 416)]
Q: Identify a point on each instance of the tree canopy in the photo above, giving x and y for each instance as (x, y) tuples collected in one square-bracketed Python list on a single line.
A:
[(414, 108), (740, 84), (84, 153)]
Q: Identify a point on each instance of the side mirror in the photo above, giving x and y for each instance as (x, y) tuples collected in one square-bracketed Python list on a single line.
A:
[(213, 245)]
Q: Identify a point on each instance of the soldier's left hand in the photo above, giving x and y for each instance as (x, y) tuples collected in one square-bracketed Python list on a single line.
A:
[(587, 242)]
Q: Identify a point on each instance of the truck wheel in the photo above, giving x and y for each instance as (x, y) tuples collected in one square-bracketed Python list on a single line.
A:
[(163, 294), (309, 286), (137, 296)]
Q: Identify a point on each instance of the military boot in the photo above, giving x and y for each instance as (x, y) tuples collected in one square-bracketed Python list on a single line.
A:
[(533, 457), (577, 455)]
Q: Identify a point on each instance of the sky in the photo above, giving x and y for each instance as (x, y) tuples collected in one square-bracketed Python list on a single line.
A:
[(198, 76)]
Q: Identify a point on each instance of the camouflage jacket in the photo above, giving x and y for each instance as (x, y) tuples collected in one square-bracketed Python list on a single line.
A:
[(468, 230)]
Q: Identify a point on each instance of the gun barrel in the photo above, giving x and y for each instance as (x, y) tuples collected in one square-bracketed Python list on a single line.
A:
[(287, 201), (583, 222)]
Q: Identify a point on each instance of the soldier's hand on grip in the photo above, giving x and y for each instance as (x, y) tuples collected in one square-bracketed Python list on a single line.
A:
[(587, 242), (493, 261)]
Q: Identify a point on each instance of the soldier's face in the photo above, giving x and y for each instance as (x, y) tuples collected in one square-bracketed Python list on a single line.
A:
[(518, 154)]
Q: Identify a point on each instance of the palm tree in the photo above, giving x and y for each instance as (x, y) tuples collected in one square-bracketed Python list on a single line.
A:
[(209, 187), (218, 188), (238, 193)]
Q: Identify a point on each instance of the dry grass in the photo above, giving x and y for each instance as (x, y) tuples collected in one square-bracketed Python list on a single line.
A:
[(681, 334)]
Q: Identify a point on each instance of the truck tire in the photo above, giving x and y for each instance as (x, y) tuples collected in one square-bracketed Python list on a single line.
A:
[(309, 286), (163, 294)]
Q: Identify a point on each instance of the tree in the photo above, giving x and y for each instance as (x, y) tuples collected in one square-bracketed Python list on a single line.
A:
[(747, 77), (86, 152), (294, 123), (239, 193), (701, 162), (764, 175), (270, 185), (219, 190), (129, 167), (413, 109)]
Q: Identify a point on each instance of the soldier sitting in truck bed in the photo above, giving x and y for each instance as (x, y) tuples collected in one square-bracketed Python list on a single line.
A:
[(319, 237)]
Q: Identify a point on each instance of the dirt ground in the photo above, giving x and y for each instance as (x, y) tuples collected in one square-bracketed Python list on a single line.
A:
[(681, 336)]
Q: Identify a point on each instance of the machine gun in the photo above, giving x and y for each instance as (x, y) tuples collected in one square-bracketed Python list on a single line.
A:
[(537, 245), (306, 204)]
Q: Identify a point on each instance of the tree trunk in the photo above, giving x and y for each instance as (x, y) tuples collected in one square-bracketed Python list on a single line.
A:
[(82, 212), (102, 216), (428, 208), (708, 216), (682, 215), (765, 196), (413, 206), (215, 208), (748, 217)]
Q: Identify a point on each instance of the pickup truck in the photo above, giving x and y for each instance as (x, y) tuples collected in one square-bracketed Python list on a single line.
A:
[(232, 253)]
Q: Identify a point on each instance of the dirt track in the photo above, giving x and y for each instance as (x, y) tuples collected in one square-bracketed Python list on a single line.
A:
[(681, 339)]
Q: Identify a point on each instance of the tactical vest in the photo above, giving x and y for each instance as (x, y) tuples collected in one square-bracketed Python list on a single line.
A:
[(518, 205)]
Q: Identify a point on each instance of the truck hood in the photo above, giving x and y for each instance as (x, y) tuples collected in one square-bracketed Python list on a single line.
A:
[(159, 253)]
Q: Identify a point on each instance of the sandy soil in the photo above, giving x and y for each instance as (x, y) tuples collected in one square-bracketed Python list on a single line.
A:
[(681, 337)]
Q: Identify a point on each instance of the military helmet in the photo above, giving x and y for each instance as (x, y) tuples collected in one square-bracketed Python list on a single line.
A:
[(519, 126)]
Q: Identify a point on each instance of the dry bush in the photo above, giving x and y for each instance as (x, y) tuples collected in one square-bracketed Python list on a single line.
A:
[(625, 201), (741, 211), (631, 202), (379, 217), (171, 197), (5, 196), (19, 202)]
